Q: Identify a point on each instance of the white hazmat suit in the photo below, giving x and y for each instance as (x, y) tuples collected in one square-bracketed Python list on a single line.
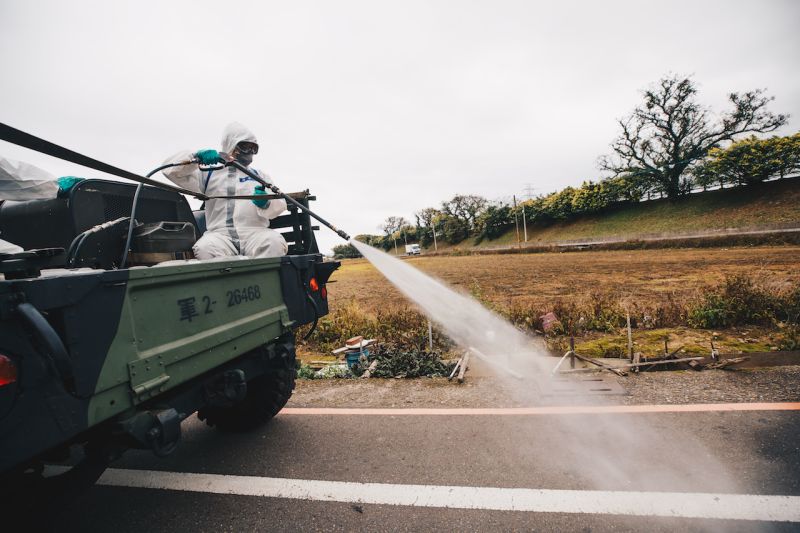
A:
[(22, 181), (233, 227)]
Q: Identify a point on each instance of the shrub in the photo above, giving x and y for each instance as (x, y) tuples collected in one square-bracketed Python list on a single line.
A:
[(790, 340), (306, 372), (789, 306), (336, 327), (750, 161), (597, 312), (334, 371), (737, 302), (343, 251), (454, 230), (493, 222), (405, 327)]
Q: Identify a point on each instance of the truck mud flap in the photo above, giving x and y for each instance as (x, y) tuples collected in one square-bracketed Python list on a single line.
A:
[(303, 280)]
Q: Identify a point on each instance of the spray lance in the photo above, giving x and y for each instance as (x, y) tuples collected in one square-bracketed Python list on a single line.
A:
[(231, 162)]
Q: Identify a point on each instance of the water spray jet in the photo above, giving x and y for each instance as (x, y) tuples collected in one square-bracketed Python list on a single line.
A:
[(609, 452)]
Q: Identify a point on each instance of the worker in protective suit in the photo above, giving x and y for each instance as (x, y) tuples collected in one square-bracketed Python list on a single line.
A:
[(233, 227), (22, 181)]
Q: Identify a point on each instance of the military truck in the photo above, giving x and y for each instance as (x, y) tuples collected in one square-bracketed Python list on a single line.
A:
[(101, 359)]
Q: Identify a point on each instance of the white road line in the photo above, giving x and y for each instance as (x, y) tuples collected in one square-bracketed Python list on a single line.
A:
[(662, 504)]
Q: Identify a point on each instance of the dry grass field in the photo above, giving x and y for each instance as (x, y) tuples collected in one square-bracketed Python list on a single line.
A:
[(592, 288), (539, 280)]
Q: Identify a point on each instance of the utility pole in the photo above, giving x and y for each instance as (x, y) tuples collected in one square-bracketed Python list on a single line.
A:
[(435, 247), (524, 223), (528, 193), (516, 220), (395, 246)]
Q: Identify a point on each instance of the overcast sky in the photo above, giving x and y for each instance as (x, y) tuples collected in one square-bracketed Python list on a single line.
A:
[(380, 108)]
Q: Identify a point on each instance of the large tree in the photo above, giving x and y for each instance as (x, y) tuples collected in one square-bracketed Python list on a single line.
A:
[(662, 138), (427, 217), (465, 208)]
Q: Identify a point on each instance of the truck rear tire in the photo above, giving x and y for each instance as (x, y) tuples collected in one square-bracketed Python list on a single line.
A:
[(266, 394)]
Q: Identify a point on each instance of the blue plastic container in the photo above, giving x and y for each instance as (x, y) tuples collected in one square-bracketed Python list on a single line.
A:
[(352, 356)]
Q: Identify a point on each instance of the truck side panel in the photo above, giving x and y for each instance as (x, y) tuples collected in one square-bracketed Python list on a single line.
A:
[(179, 322)]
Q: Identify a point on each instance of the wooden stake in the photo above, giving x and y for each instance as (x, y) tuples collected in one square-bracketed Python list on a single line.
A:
[(455, 368), (601, 365), (463, 370), (368, 372), (516, 221), (666, 362), (572, 352), (727, 362), (634, 365), (630, 337)]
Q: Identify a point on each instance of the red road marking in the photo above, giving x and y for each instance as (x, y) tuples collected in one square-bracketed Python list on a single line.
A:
[(553, 410)]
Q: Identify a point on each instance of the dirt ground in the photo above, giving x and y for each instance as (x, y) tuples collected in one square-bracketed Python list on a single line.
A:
[(640, 275), (772, 384)]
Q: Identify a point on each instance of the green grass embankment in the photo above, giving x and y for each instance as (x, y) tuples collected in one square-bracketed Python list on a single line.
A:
[(774, 204)]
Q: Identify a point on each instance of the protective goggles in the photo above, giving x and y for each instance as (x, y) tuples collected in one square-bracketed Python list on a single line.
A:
[(247, 148)]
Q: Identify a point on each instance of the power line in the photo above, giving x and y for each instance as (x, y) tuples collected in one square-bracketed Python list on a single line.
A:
[(528, 191)]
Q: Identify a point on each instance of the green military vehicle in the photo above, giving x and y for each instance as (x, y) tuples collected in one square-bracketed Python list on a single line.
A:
[(98, 358)]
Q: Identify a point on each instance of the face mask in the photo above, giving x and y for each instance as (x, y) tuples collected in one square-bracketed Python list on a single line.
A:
[(244, 159)]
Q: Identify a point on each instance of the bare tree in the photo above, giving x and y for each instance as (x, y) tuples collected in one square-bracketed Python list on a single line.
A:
[(663, 138), (392, 224)]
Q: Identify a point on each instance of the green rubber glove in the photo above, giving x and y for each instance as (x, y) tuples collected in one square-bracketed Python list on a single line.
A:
[(208, 156), (261, 204), (66, 183)]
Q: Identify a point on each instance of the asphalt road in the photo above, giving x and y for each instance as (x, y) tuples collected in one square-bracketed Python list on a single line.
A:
[(651, 458)]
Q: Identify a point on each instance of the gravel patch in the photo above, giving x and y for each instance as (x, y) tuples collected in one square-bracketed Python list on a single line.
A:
[(773, 384)]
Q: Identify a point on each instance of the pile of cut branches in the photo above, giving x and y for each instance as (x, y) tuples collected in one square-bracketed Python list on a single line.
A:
[(396, 362)]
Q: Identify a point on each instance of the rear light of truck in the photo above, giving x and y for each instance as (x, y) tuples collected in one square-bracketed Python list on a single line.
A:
[(324, 293), (8, 371), (313, 284)]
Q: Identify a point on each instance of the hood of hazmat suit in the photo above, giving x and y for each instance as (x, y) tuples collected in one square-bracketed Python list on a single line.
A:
[(237, 222), (22, 181), (234, 134)]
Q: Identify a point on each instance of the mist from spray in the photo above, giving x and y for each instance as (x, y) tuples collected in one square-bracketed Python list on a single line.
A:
[(467, 322), (609, 452)]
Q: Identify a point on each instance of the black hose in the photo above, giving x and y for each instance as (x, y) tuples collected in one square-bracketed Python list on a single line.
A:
[(76, 244), (48, 340), (316, 316), (132, 222)]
